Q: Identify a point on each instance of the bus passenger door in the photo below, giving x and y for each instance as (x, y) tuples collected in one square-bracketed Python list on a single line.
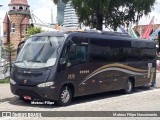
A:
[(77, 66), (73, 65)]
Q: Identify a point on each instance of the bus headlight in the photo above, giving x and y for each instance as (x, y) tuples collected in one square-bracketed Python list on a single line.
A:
[(12, 81), (47, 84)]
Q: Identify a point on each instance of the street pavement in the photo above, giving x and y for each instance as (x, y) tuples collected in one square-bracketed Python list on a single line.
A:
[(141, 99), (158, 79)]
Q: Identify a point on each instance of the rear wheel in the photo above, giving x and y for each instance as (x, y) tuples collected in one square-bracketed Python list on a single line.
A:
[(65, 96), (128, 87)]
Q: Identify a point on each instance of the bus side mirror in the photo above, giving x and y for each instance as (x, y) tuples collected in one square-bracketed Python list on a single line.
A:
[(18, 49), (20, 45)]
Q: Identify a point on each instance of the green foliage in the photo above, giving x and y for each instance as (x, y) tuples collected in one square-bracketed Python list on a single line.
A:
[(6, 80), (113, 13), (10, 50), (33, 30)]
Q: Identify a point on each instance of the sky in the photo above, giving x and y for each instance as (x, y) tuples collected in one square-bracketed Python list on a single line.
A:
[(42, 10)]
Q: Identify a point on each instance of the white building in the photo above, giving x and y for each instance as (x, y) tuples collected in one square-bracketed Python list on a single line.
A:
[(70, 17)]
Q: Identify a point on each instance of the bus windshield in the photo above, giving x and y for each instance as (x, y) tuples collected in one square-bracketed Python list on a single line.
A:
[(39, 52)]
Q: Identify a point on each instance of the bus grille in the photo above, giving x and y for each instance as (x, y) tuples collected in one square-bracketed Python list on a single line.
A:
[(22, 92), (29, 74)]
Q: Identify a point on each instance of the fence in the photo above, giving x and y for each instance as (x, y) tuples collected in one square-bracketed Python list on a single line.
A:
[(4, 69)]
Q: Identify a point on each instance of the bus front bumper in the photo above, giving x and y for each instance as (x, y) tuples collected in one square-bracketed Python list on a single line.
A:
[(46, 93)]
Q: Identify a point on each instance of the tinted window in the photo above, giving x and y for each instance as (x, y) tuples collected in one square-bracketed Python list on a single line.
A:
[(103, 50), (120, 50), (99, 50), (78, 54), (142, 51)]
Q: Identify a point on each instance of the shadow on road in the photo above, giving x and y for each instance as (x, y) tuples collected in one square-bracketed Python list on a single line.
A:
[(77, 100), (105, 95), (9, 99)]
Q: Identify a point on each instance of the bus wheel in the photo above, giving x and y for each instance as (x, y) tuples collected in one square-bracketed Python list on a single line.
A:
[(128, 88), (65, 96)]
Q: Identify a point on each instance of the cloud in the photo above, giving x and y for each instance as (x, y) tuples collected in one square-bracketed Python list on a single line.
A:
[(145, 20), (41, 9), (44, 14)]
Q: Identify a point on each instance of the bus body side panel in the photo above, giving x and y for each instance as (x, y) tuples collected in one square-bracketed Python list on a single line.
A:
[(110, 63)]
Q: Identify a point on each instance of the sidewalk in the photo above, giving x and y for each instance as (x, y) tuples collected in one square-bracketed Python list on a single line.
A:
[(158, 79), (6, 95)]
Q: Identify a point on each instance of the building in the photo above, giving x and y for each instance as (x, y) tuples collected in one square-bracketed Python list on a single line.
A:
[(140, 29), (16, 22), (70, 17), (60, 12)]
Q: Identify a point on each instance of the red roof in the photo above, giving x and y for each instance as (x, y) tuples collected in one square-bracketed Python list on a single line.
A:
[(19, 2), (25, 21), (6, 19)]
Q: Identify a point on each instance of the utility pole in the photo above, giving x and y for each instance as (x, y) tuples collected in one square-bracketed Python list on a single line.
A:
[(0, 42)]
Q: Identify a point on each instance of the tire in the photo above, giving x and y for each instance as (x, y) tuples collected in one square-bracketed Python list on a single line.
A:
[(128, 87), (65, 96)]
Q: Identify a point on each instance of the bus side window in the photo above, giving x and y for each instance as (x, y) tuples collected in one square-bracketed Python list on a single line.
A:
[(78, 56), (63, 59), (63, 56)]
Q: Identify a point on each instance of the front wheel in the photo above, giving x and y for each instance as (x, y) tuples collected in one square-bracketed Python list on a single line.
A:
[(65, 96), (128, 87)]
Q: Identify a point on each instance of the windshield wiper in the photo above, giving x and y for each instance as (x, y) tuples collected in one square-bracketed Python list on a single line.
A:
[(39, 61)]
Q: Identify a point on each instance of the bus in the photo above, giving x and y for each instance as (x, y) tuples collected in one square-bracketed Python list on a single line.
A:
[(58, 66)]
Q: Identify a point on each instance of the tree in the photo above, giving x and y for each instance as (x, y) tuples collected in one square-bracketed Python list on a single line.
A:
[(10, 52), (113, 13), (33, 30)]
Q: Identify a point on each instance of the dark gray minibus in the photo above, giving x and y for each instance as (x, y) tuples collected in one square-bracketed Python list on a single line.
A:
[(61, 65)]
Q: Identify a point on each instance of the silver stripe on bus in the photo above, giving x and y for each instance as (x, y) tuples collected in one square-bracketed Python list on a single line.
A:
[(113, 68)]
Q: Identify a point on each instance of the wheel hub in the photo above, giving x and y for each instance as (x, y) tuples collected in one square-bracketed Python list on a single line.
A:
[(65, 96)]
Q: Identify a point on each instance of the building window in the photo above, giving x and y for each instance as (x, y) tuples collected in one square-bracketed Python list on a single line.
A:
[(13, 27), (5, 34), (20, 8), (14, 8), (26, 30)]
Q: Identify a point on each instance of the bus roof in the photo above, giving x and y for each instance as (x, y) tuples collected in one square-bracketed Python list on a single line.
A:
[(91, 34)]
